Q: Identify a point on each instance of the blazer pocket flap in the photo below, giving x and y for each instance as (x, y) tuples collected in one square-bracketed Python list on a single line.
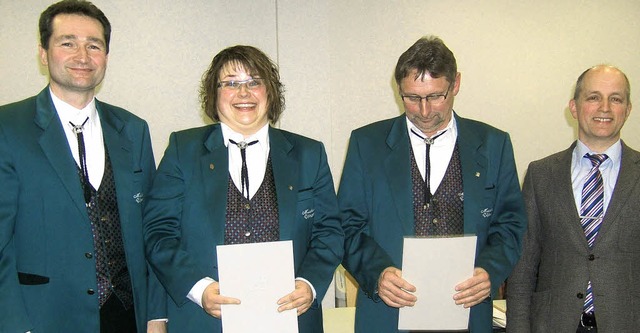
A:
[(32, 279)]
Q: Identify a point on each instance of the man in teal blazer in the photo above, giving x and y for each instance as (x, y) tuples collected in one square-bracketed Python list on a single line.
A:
[(378, 194), (48, 257), (196, 203)]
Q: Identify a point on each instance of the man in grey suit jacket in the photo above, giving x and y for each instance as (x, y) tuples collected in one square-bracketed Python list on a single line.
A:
[(471, 187), (564, 281), (74, 172)]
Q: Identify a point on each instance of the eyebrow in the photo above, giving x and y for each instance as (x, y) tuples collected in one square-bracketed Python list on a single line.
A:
[(74, 37)]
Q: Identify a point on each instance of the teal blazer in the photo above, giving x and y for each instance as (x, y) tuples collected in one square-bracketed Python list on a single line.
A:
[(186, 209), (46, 244), (376, 204)]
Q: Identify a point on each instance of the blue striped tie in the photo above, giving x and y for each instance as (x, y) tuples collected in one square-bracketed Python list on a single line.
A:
[(592, 211)]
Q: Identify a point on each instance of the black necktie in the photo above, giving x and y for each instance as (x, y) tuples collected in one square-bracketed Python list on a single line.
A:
[(427, 165), (244, 172), (86, 186)]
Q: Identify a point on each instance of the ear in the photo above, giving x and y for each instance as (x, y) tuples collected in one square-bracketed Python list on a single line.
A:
[(43, 56), (456, 84), (573, 108), (628, 111)]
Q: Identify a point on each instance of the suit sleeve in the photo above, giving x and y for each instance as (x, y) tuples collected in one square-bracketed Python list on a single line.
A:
[(14, 314), (363, 257), (162, 228), (156, 295), (326, 243), (508, 220), (523, 280)]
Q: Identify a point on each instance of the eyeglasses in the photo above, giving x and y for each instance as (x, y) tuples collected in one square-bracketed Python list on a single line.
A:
[(433, 99), (250, 84)]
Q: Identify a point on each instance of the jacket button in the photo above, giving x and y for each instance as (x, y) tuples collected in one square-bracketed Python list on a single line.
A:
[(90, 291), (580, 295), (88, 255), (592, 257)]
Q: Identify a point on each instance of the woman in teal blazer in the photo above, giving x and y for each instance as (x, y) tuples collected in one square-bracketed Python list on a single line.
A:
[(190, 208)]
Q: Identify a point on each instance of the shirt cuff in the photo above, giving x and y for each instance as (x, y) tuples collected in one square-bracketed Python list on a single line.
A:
[(313, 290), (196, 292)]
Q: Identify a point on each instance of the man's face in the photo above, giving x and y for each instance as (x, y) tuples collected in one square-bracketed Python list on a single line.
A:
[(601, 108), (77, 57), (429, 116)]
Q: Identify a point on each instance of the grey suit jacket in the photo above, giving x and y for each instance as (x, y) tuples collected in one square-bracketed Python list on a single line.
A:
[(547, 288)]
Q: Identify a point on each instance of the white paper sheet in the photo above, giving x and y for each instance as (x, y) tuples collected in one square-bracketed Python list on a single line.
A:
[(258, 274), (435, 266)]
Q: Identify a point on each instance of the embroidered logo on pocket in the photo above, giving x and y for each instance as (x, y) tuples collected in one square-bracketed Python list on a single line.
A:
[(486, 212), (308, 213), (139, 197)]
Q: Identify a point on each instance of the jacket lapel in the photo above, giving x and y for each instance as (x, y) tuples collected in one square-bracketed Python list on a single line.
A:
[(397, 166), (214, 169), (56, 148), (285, 175), (562, 184)]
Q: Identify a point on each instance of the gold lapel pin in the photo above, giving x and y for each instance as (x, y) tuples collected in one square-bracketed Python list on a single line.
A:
[(477, 174), (290, 188), (211, 166)]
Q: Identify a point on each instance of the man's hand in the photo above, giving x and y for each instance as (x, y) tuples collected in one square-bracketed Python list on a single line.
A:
[(301, 299), (394, 290), (156, 326), (212, 300), (473, 290)]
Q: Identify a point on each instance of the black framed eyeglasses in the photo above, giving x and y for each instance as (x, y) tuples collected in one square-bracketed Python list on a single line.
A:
[(432, 99)]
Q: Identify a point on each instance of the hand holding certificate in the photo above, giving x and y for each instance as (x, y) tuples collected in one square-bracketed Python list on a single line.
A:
[(259, 275), (435, 266)]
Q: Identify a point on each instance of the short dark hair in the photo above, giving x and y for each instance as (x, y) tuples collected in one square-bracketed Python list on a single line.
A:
[(252, 60), (428, 55), (77, 7), (580, 82)]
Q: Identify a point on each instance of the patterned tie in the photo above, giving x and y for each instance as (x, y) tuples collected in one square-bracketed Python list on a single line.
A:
[(244, 172), (86, 186), (427, 167), (592, 211)]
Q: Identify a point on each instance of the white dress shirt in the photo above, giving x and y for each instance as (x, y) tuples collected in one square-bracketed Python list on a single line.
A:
[(440, 152), (580, 167), (92, 133)]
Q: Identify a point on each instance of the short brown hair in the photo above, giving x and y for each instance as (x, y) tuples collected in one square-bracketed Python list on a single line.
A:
[(252, 60)]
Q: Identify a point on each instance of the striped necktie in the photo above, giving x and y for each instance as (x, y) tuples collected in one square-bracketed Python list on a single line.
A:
[(592, 211)]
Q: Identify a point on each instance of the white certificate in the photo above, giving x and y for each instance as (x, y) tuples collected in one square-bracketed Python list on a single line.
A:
[(258, 274), (435, 266)]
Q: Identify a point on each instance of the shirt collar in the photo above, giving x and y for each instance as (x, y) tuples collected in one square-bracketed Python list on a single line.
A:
[(262, 135), (450, 135), (614, 152), (68, 113)]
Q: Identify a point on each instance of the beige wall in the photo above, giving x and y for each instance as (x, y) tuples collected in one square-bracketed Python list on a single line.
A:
[(518, 59)]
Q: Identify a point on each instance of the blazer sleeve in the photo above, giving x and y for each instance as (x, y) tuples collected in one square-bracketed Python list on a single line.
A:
[(522, 281), (363, 257), (326, 243), (12, 307), (508, 221), (163, 210), (156, 295)]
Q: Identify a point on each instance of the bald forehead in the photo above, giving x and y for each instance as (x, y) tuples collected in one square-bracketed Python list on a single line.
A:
[(608, 76)]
